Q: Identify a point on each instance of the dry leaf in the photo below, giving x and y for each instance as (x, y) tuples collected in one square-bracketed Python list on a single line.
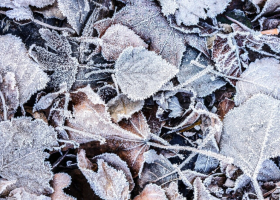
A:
[(145, 19), (108, 182), (262, 76), (122, 107), (24, 142), (22, 194), (140, 73), (251, 139), (61, 63), (14, 59), (172, 192), (151, 192), (61, 181), (200, 192)]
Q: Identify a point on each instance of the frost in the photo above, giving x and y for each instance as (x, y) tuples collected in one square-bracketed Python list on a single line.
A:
[(174, 106), (28, 76), (200, 192), (63, 65), (240, 182), (122, 107), (76, 12), (168, 6), (61, 181), (22, 194), (23, 143), (262, 76), (151, 192), (269, 172), (140, 73), (172, 192), (20, 9), (189, 12), (270, 7), (203, 85), (145, 19), (108, 182), (252, 138), (117, 38)]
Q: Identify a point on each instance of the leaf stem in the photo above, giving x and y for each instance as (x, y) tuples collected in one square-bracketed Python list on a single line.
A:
[(54, 27)]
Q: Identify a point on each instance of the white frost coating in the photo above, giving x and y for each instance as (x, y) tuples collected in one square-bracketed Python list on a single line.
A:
[(190, 11), (251, 135), (168, 6), (140, 73), (152, 192), (262, 76), (14, 58), (24, 142), (107, 182), (200, 192), (76, 12)]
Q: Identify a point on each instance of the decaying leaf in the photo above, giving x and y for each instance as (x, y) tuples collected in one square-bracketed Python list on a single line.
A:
[(108, 182), (140, 73), (23, 143), (252, 138), (172, 192), (117, 38), (76, 12), (205, 83), (224, 107), (61, 181), (14, 61), (189, 12), (61, 63), (145, 19), (151, 192), (22, 194), (20, 9), (4, 184), (122, 107), (200, 192), (262, 76), (51, 11)]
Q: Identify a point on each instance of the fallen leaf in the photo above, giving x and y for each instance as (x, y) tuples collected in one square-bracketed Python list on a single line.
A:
[(61, 181), (200, 192), (151, 192)]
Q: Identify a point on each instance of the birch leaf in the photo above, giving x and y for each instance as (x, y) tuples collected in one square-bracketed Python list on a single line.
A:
[(76, 12), (14, 58), (117, 38), (254, 139), (145, 19), (151, 192), (262, 76), (107, 182), (122, 107), (24, 142), (61, 63), (140, 73), (200, 192)]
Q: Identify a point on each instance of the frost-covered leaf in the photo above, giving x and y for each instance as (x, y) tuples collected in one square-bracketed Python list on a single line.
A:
[(189, 12), (25, 3), (117, 38), (76, 12), (224, 107), (22, 194), (200, 192), (175, 107), (23, 143), (168, 6), (61, 63), (151, 192), (4, 184), (61, 181), (9, 94), (269, 172), (28, 76), (140, 73), (20, 13), (262, 76), (252, 138), (204, 84), (172, 192), (108, 182), (240, 182), (92, 121), (122, 107), (157, 169), (145, 19), (51, 11), (270, 7)]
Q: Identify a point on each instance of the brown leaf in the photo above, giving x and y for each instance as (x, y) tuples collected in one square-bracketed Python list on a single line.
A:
[(61, 181), (152, 192), (225, 106), (145, 19)]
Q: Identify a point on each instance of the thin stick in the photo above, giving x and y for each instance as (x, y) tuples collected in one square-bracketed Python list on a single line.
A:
[(4, 106), (54, 27)]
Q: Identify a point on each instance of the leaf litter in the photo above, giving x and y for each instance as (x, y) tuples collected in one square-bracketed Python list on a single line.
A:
[(139, 99)]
